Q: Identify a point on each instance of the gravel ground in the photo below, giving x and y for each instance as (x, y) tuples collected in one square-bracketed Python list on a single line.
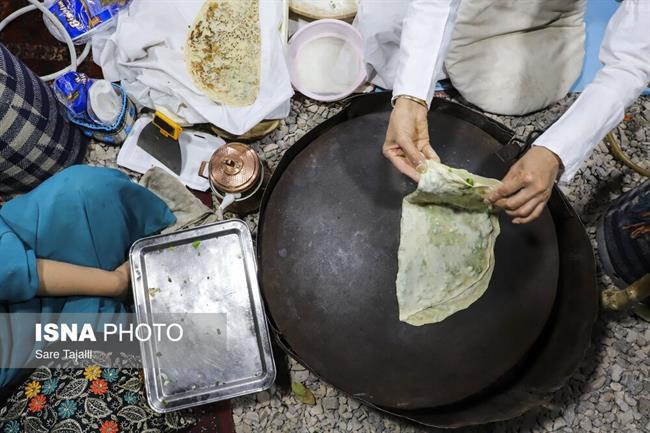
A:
[(609, 393)]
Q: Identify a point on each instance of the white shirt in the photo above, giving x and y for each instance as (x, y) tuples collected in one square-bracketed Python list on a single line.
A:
[(426, 33), (625, 54)]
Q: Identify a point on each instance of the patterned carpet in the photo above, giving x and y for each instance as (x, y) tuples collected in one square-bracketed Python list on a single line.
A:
[(28, 38)]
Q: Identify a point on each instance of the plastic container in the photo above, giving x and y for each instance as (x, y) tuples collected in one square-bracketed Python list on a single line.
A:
[(307, 38)]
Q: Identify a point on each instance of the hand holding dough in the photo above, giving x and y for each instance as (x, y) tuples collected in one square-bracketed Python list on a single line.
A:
[(446, 252)]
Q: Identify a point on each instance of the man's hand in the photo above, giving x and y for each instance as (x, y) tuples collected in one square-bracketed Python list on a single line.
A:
[(528, 185), (407, 139)]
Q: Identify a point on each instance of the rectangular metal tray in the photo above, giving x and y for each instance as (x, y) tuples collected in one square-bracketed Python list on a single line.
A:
[(205, 279)]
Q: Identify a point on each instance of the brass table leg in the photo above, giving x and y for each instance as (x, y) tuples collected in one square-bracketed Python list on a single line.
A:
[(631, 297)]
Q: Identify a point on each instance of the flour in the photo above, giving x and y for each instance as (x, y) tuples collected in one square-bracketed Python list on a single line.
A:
[(327, 65)]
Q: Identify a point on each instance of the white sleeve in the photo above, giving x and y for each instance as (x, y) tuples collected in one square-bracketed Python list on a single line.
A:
[(625, 54), (425, 38)]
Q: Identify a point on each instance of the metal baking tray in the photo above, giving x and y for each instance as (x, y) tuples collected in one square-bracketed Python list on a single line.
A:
[(205, 280)]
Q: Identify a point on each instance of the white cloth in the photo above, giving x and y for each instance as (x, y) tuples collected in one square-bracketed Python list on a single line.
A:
[(405, 42), (196, 147), (486, 46), (625, 54), (516, 57), (145, 53)]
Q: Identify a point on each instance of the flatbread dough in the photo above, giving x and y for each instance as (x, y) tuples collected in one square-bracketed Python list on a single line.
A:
[(223, 51), (446, 252)]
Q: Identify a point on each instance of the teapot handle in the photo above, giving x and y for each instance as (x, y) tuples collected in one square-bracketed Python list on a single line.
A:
[(202, 170)]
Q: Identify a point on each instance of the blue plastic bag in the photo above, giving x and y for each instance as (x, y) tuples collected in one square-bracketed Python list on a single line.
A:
[(82, 18), (71, 89)]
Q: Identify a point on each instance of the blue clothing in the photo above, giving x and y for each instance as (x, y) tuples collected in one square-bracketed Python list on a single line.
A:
[(84, 215)]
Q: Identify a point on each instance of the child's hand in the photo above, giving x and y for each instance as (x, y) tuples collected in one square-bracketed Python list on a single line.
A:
[(123, 279), (66, 279)]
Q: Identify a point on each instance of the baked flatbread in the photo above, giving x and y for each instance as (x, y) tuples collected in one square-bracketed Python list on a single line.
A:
[(320, 9), (446, 252), (223, 51)]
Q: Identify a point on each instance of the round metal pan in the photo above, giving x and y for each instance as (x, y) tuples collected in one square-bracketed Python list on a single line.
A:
[(327, 242)]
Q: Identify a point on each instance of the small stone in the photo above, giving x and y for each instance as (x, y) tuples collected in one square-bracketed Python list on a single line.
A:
[(569, 415), (617, 370), (644, 405), (300, 376), (625, 418), (354, 425), (621, 403), (330, 403), (603, 407), (559, 423), (251, 418), (598, 383), (317, 409), (345, 414), (627, 380), (616, 386), (263, 396), (270, 147)]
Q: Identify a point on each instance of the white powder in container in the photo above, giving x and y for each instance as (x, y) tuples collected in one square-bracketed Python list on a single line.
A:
[(327, 65)]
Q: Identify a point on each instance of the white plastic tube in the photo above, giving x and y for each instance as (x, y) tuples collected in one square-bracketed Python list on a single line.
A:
[(74, 61)]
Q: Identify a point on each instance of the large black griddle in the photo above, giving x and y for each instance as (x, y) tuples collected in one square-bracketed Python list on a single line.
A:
[(327, 246)]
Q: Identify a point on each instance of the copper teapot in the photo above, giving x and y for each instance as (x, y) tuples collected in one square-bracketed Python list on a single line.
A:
[(237, 177)]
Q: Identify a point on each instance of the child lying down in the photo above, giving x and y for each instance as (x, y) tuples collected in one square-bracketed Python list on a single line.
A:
[(63, 248)]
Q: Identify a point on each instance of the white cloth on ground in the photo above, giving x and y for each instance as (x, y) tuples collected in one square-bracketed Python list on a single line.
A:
[(145, 53), (196, 147)]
